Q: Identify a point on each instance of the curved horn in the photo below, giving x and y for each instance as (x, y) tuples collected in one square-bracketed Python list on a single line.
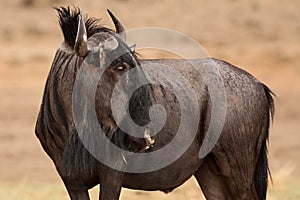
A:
[(81, 38), (119, 27)]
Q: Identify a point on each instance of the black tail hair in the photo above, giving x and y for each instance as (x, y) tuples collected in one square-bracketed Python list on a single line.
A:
[(262, 168)]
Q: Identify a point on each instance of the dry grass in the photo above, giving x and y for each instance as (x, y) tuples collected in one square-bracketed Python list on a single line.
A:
[(281, 186), (49, 191)]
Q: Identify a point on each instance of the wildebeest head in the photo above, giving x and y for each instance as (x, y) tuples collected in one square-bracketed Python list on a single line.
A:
[(104, 54)]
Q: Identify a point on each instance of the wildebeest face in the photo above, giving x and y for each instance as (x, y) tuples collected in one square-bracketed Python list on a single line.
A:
[(109, 57), (112, 59)]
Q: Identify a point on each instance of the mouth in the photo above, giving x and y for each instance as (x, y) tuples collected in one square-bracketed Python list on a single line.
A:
[(148, 140), (136, 145), (142, 145)]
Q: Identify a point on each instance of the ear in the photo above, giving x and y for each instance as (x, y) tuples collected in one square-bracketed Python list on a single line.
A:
[(118, 25), (81, 38)]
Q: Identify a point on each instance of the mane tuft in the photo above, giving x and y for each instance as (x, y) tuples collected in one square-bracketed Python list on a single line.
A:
[(68, 21)]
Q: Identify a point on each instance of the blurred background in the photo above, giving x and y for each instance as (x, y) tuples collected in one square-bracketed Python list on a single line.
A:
[(261, 37)]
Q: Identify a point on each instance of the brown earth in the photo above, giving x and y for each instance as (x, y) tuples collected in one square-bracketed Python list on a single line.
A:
[(262, 37)]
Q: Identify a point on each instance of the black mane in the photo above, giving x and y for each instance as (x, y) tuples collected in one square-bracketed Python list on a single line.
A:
[(68, 20)]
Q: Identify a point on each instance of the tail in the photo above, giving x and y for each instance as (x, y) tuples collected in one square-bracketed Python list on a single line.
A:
[(262, 168)]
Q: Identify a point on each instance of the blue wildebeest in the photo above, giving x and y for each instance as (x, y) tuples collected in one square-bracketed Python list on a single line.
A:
[(237, 166)]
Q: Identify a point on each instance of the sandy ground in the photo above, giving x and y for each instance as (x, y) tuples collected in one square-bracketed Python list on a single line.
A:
[(262, 37)]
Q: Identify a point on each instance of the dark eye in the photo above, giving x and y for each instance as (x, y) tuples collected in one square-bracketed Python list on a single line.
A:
[(122, 67)]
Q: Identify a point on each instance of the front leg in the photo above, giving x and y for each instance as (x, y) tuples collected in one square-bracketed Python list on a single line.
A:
[(110, 185), (78, 194), (76, 191)]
